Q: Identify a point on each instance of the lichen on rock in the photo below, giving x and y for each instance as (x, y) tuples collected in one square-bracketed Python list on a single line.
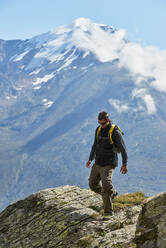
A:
[(71, 217)]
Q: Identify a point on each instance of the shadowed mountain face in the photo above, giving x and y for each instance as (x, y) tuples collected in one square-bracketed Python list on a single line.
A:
[(52, 88)]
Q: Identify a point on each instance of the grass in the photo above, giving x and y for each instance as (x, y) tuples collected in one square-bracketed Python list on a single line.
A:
[(128, 200), (123, 201)]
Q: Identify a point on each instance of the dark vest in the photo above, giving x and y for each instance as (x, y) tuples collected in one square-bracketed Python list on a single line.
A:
[(105, 151)]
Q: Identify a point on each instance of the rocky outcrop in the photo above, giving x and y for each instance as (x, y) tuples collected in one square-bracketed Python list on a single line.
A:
[(151, 227), (71, 217)]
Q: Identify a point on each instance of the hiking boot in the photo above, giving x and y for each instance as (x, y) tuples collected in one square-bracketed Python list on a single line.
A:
[(107, 216)]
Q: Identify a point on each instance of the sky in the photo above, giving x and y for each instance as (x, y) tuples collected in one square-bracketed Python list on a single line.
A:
[(143, 20)]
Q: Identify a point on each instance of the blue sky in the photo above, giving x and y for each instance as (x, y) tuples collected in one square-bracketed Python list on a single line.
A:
[(143, 20)]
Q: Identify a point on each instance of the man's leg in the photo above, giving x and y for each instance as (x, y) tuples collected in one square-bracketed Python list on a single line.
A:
[(94, 179), (106, 173)]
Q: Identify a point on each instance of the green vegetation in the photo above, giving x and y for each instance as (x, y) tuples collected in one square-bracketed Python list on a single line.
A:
[(128, 200), (103, 233), (95, 208), (122, 201), (86, 242), (117, 246)]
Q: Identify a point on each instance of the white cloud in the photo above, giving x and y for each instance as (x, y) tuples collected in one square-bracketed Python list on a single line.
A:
[(147, 98), (118, 105), (150, 104), (143, 62), (100, 42), (139, 93)]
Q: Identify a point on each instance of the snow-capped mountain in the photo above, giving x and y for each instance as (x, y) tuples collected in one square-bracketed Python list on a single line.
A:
[(52, 88)]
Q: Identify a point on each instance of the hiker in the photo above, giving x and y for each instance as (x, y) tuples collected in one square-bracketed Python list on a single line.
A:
[(107, 143)]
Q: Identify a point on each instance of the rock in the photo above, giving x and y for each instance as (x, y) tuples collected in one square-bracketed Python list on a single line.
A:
[(70, 217), (151, 227)]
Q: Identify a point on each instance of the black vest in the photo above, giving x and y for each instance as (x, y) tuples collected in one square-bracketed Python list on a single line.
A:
[(105, 151)]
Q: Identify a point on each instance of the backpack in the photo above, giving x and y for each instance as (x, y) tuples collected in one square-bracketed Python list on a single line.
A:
[(110, 134)]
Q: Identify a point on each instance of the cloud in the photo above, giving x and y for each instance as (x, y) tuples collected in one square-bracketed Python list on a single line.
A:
[(147, 98), (118, 105), (104, 45), (141, 93), (145, 62), (150, 104), (142, 62)]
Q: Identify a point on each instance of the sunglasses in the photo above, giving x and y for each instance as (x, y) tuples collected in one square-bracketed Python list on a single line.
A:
[(102, 123)]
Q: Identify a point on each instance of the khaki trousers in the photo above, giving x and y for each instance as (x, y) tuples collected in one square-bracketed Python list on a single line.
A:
[(102, 175)]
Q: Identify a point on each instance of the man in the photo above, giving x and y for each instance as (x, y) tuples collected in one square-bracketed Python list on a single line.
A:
[(106, 159)]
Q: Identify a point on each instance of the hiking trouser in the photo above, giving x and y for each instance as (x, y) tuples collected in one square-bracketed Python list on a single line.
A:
[(103, 174)]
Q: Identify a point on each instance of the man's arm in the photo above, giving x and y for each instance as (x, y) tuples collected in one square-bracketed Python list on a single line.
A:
[(119, 142), (93, 151)]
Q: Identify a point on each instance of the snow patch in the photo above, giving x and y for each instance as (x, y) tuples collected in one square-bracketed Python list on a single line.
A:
[(68, 61), (56, 43), (21, 67), (48, 104), (84, 67), (35, 72), (141, 62), (21, 56), (37, 87), (43, 79), (19, 88), (85, 54)]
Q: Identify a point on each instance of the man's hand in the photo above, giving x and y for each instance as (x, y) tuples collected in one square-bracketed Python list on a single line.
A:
[(88, 163), (124, 169)]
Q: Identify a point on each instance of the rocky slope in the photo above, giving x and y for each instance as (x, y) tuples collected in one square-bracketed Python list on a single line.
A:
[(71, 217)]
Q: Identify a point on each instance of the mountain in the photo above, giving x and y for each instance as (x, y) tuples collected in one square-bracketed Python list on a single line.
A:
[(72, 217), (52, 88)]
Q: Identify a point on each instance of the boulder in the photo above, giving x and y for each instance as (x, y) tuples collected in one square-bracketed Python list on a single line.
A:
[(71, 217), (65, 217), (151, 227)]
